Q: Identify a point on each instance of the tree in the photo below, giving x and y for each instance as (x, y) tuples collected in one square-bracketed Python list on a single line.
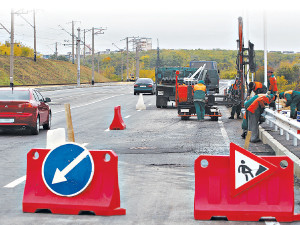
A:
[(4, 49), (281, 83), (289, 71), (146, 61), (27, 52), (259, 75)]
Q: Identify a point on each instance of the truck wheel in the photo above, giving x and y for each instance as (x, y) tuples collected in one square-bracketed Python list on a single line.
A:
[(164, 102), (157, 103), (161, 102), (214, 118)]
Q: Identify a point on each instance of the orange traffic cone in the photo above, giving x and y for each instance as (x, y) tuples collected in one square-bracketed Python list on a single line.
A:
[(117, 123)]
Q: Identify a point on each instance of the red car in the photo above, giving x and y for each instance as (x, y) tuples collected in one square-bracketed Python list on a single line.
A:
[(24, 107)]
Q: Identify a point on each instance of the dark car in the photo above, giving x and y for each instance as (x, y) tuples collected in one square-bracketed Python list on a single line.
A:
[(24, 107), (144, 85)]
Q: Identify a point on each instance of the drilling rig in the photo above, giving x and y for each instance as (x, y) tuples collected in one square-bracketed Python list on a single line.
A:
[(245, 56)]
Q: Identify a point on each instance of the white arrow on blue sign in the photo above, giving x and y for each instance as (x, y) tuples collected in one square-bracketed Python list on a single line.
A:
[(68, 169)]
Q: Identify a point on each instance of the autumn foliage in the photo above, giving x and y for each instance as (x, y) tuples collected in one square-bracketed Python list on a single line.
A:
[(19, 50)]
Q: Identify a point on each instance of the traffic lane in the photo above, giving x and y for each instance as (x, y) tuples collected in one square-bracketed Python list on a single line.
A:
[(91, 123), (161, 130), (142, 124), (15, 163), (85, 91), (79, 96), (14, 148), (16, 144), (29, 217)]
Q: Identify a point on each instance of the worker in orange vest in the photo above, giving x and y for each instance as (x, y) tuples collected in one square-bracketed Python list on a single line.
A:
[(199, 99), (254, 114), (272, 87), (292, 99), (246, 117), (257, 88)]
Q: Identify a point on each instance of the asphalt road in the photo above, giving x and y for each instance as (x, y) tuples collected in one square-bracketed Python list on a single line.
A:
[(156, 154)]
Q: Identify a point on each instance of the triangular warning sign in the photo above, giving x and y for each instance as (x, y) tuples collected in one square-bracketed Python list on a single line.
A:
[(246, 169)]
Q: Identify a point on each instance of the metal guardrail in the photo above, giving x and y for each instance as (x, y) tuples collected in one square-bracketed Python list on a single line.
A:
[(283, 124)]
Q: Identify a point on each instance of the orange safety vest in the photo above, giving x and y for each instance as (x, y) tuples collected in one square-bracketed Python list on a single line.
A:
[(234, 86), (273, 83), (260, 101), (200, 87), (257, 85)]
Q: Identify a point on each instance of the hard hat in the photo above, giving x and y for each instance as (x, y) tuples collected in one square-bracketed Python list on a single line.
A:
[(251, 85)]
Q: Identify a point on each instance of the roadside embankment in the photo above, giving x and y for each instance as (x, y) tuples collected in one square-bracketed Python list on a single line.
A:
[(44, 71)]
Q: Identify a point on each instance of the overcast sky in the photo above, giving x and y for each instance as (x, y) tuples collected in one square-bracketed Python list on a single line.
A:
[(177, 24)]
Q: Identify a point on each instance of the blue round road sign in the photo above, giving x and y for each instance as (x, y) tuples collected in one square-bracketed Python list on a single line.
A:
[(68, 169)]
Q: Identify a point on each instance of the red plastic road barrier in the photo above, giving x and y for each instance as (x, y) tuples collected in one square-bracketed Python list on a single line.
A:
[(102, 196), (117, 123), (272, 196)]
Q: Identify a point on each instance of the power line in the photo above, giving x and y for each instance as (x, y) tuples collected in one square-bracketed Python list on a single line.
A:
[(72, 35), (34, 32)]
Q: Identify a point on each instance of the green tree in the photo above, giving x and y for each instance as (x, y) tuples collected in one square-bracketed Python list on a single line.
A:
[(281, 83)]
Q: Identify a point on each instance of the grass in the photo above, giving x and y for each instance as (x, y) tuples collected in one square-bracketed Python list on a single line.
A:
[(45, 71)]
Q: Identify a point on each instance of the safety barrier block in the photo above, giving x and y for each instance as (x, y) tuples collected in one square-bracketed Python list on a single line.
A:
[(117, 123), (271, 196), (101, 196)]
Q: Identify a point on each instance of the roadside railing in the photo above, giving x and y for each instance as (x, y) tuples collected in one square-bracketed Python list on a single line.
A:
[(283, 124)]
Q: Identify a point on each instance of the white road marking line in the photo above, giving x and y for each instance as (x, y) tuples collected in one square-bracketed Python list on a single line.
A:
[(107, 129), (149, 104), (224, 132), (271, 223), (16, 182), (90, 103), (139, 110), (85, 144), (127, 116)]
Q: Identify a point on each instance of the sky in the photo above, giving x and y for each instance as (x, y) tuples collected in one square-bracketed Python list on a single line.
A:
[(190, 24)]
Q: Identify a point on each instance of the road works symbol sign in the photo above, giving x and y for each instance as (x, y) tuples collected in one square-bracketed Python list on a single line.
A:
[(68, 169), (246, 169)]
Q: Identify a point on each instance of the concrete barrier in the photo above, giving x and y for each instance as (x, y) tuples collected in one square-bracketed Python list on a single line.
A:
[(279, 149)]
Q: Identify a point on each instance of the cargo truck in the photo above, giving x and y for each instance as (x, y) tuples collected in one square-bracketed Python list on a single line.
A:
[(165, 78)]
